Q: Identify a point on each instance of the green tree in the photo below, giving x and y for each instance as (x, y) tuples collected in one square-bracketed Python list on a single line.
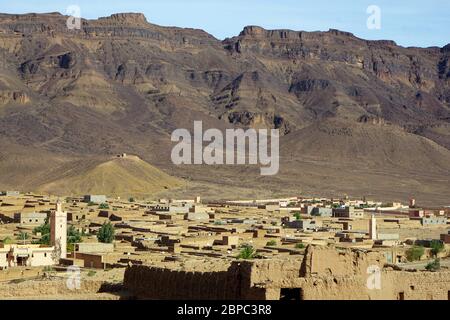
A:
[(298, 216), (436, 247), (415, 253), (106, 233), (73, 235), (247, 252), (271, 243), (131, 199), (44, 230)]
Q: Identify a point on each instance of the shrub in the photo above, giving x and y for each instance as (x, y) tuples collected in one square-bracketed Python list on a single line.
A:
[(300, 246), (271, 243), (70, 247), (7, 240), (131, 199), (298, 216), (23, 236), (103, 206), (247, 252), (91, 273), (434, 266), (415, 253)]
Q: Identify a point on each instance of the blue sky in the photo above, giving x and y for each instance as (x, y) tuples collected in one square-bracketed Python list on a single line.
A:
[(409, 23)]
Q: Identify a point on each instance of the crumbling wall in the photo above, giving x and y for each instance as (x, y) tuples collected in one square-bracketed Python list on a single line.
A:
[(323, 273), (339, 262), (46, 287), (418, 285), (284, 273), (146, 282)]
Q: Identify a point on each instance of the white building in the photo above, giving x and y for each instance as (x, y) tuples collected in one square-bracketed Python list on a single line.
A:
[(373, 228), (58, 230), (35, 255)]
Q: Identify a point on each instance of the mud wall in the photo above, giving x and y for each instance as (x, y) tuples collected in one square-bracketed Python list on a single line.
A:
[(395, 285), (147, 282), (42, 288), (323, 273)]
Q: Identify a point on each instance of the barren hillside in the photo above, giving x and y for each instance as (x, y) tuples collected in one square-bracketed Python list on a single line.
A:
[(357, 117)]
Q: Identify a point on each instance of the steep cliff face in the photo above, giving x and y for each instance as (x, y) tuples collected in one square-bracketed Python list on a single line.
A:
[(335, 72), (121, 84), (295, 77)]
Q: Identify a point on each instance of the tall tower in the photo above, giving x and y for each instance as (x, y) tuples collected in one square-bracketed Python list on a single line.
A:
[(373, 228), (58, 230)]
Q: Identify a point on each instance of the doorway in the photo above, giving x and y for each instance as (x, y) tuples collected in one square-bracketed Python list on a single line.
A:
[(22, 261), (291, 294)]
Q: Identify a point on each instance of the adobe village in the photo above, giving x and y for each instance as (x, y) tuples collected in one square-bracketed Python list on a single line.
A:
[(96, 247)]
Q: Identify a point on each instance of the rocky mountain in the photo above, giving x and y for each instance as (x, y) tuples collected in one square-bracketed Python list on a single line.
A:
[(122, 84)]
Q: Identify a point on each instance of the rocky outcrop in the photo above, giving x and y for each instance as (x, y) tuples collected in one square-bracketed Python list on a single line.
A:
[(18, 97)]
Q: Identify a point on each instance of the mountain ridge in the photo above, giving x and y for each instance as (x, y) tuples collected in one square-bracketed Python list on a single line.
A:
[(122, 84)]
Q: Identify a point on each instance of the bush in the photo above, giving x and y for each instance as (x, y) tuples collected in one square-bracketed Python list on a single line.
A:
[(90, 204), (434, 266), (103, 206), (298, 216), (7, 240), (436, 247), (23, 236), (70, 247), (271, 243), (415, 253), (91, 273), (131, 199), (300, 246), (247, 252), (106, 233)]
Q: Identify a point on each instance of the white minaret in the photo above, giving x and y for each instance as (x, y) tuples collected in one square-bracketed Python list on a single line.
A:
[(58, 229), (373, 228)]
